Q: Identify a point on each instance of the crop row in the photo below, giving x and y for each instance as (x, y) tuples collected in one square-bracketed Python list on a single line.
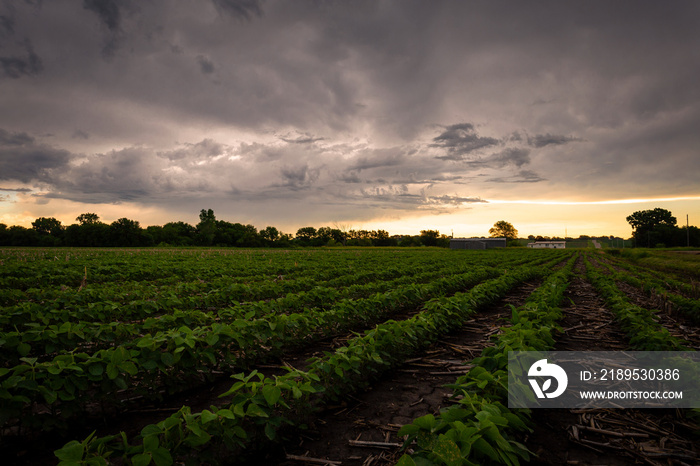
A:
[(653, 285), (640, 326), (164, 268), (261, 405), (479, 428), (41, 341), (180, 356), (125, 303), (235, 281)]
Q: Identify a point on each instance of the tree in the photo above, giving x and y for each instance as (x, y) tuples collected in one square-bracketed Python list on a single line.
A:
[(652, 227), (87, 218), (179, 233), (429, 237), (305, 235), (206, 228), (126, 232), (503, 229)]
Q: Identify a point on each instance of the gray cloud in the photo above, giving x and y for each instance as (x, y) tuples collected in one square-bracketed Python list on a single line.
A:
[(206, 66), (107, 11), (23, 159), (523, 176), (239, 8), (381, 82), (80, 134), (301, 139), (542, 140), (461, 139), (510, 156), (205, 149), (24, 63), (299, 177)]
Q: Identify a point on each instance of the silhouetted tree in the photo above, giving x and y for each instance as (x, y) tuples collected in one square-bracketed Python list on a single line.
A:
[(503, 229), (429, 237), (206, 228), (652, 227)]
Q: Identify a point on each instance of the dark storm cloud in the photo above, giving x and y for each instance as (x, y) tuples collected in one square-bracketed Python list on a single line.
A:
[(23, 159), (379, 158), (239, 8), (542, 140), (25, 62), (80, 134), (107, 11), (7, 26), (206, 66), (299, 177), (16, 190), (510, 156), (461, 139), (302, 139), (524, 84), (205, 149)]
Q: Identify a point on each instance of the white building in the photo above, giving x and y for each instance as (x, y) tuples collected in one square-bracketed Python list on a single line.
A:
[(547, 245)]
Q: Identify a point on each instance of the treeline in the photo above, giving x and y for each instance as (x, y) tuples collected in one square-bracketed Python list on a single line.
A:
[(89, 231), (658, 228)]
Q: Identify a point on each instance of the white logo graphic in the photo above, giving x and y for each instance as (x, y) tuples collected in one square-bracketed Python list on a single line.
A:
[(544, 369)]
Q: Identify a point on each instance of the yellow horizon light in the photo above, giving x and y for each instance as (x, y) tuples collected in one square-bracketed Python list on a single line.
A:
[(608, 202)]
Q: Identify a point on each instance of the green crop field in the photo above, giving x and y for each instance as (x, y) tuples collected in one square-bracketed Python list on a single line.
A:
[(207, 356)]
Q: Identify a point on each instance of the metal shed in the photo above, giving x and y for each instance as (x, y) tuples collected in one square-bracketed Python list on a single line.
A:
[(477, 243)]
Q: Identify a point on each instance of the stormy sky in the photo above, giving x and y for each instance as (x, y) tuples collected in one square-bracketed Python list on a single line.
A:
[(402, 115)]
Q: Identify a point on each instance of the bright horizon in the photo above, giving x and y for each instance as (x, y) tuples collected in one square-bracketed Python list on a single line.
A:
[(556, 117)]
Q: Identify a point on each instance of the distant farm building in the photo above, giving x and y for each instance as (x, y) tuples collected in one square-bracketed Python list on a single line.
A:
[(477, 243), (547, 245)]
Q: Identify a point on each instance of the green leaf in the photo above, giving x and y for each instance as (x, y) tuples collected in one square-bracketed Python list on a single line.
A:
[(96, 369), (255, 411), (162, 457), (151, 429), (167, 359), (408, 429), (447, 451), (270, 432), (71, 451), (23, 349), (483, 447), (426, 422), (145, 341), (226, 414), (240, 432), (208, 416), (112, 371), (272, 394), (405, 460), (129, 367), (150, 443), (142, 459)]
